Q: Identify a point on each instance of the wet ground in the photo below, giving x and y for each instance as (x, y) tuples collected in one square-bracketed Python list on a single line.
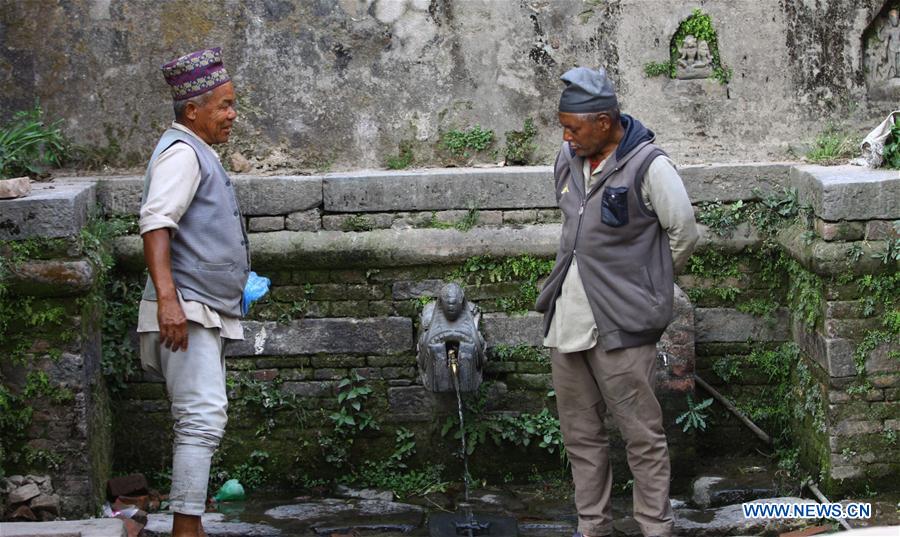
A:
[(536, 510)]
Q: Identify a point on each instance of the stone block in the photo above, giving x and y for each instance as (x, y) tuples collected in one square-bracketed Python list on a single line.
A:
[(503, 329), (840, 231), (405, 290), (522, 216), (856, 427), (309, 389), (834, 355), (52, 210), (265, 223), (337, 361), (529, 381), (732, 182), (382, 335), (885, 380), (279, 195), (98, 527), (880, 360), (24, 493), (52, 277), (439, 189), (398, 372), (288, 250), (411, 401), (846, 472), (17, 187), (310, 220), (880, 230), (892, 425), (490, 218), (329, 374), (549, 216), (848, 192), (731, 325)]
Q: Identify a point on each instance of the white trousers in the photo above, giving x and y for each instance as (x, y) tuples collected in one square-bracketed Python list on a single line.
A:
[(195, 382)]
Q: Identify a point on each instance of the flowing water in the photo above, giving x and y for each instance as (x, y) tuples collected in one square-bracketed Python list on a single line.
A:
[(470, 527)]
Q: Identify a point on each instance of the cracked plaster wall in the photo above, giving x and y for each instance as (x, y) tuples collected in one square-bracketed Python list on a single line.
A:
[(341, 83)]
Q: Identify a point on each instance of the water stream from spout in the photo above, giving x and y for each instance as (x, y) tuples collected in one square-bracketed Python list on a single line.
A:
[(454, 369)]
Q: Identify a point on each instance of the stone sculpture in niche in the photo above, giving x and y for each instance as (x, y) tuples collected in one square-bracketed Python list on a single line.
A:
[(890, 34), (694, 59), (882, 56)]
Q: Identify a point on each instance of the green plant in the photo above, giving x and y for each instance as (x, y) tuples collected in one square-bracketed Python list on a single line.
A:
[(466, 223), (831, 145), (358, 222), (252, 473), (525, 269), (521, 353), (403, 159), (892, 148), (721, 218), (694, 418), (653, 69), (394, 473), (29, 146), (460, 143), (520, 144)]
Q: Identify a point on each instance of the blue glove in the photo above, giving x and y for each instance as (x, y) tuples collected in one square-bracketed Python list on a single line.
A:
[(256, 288)]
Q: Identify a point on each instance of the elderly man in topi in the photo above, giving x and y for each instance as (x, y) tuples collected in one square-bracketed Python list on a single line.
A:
[(628, 227), (195, 247)]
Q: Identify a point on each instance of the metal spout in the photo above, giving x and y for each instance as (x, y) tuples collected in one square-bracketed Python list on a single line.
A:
[(454, 362)]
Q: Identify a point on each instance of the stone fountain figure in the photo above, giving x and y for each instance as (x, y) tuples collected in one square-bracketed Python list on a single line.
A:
[(449, 339)]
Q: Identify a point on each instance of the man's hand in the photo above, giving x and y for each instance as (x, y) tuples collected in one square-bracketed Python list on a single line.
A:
[(172, 324)]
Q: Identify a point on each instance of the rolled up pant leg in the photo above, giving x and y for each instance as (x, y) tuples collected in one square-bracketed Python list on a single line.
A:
[(581, 410), (195, 381)]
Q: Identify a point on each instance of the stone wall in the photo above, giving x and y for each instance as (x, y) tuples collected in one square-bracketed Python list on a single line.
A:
[(353, 257), (346, 83), (50, 347)]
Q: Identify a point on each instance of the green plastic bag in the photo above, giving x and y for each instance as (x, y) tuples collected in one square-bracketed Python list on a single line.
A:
[(231, 491)]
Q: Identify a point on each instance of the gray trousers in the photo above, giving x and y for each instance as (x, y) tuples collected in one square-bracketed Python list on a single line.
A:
[(588, 384), (195, 382)]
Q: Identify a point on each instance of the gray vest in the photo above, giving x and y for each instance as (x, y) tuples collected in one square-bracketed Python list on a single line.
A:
[(209, 252), (623, 253)]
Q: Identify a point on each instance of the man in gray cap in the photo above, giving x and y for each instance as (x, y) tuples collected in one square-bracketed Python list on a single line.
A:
[(628, 227), (196, 251)]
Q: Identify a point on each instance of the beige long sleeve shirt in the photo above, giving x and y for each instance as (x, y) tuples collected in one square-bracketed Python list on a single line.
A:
[(174, 180), (573, 328)]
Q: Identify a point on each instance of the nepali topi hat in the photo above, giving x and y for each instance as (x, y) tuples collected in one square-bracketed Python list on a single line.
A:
[(587, 90), (195, 73)]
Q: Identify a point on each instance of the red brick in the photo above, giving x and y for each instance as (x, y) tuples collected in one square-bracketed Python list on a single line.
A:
[(141, 502)]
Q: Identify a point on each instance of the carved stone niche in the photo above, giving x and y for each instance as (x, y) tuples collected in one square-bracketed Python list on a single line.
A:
[(694, 59), (881, 54)]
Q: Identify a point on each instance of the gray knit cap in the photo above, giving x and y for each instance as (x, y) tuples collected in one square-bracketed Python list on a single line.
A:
[(587, 91)]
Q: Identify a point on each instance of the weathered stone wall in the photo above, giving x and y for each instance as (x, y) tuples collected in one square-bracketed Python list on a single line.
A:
[(50, 347), (345, 83), (354, 256)]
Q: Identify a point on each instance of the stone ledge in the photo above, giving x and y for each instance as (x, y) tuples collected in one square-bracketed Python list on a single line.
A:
[(848, 192), (52, 277), (52, 210), (731, 325), (383, 335), (379, 248), (99, 527), (517, 187), (257, 195)]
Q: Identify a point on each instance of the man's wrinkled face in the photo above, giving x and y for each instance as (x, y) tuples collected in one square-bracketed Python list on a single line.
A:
[(587, 134), (214, 119)]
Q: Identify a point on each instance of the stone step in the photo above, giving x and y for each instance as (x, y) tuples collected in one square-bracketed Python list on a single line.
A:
[(99, 527)]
